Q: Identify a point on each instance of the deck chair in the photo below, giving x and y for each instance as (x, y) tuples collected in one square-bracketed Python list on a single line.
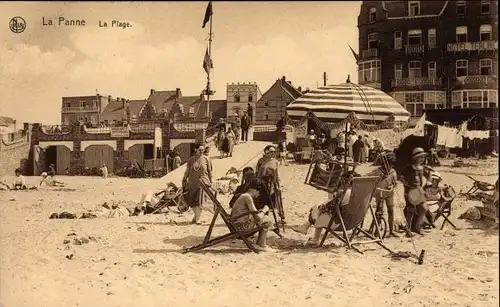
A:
[(174, 198), (444, 209), (479, 185), (354, 214), (234, 232), (306, 154), (322, 179), (276, 206)]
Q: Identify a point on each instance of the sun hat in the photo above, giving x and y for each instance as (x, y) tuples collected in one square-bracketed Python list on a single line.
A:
[(418, 152), (44, 174), (436, 175)]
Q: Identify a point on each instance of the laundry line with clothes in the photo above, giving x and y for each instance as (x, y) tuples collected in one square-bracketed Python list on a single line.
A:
[(453, 137)]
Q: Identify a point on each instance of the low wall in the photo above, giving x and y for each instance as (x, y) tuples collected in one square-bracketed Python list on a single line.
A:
[(10, 158), (265, 133)]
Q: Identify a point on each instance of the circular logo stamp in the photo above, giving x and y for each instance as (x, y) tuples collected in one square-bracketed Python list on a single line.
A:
[(17, 25)]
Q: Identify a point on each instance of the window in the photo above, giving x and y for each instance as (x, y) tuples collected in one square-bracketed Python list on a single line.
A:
[(266, 115), (485, 32), (486, 67), (414, 102), (398, 71), (372, 40), (475, 99), (414, 69), (485, 6), (413, 8), (237, 98), (369, 71), (462, 68), (266, 104), (373, 15), (431, 37), (431, 70), (415, 37), (250, 97), (461, 34), (461, 8), (398, 40)]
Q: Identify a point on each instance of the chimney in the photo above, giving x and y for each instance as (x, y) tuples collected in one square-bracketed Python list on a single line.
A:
[(118, 99), (123, 103), (300, 89), (109, 98), (177, 93), (283, 78), (152, 91)]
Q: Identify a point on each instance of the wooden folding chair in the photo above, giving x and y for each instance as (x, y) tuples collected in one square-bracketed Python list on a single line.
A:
[(445, 209), (175, 198), (276, 205), (362, 189), (234, 232), (479, 186), (322, 179)]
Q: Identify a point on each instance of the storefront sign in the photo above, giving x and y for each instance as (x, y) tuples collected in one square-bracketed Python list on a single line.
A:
[(120, 132), (158, 137)]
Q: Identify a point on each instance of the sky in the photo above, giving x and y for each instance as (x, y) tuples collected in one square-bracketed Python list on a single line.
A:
[(164, 49)]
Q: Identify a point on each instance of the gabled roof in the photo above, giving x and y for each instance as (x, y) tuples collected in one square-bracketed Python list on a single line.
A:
[(287, 87), (115, 110), (162, 99), (217, 108), (6, 121)]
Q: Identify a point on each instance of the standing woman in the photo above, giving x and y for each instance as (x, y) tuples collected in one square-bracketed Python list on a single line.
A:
[(220, 139), (198, 169), (357, 149), (231, 140)]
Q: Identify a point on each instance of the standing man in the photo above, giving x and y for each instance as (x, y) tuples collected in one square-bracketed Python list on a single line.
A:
[(250, 113), (245, 125)]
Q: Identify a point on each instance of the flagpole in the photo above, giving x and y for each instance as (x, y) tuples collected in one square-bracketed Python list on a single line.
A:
[(210, 63)]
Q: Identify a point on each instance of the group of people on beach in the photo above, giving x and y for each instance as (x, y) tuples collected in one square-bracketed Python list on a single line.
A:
[(20, 182), (228, 137)]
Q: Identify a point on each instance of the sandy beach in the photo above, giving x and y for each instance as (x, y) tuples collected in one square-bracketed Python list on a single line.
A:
[(138, 261)]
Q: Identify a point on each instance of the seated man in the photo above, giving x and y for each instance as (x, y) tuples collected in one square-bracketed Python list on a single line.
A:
[(320, 215), (50, 181), (257, 218)]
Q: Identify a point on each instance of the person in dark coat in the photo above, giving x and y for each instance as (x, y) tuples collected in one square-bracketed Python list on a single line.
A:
[(245, 126), (250, 113), (357, 149)]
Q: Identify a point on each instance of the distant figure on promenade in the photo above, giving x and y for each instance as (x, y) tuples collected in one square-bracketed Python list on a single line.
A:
[(237, 128), (280, 125), (230, 142), (221, 136), (366, 148), (198, 169), (250, 113), (177, 162), (245, 126)]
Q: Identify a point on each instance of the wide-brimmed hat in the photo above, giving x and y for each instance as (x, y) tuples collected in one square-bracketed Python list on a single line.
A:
[(44, 174), (436, 176), (418, 152)]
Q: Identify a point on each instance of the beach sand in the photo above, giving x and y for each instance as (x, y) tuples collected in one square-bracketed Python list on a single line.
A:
[(137, 261)]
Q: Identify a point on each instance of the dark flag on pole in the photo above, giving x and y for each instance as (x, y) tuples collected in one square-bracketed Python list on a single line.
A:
[(208, 14), (353, 53), (207, 62)]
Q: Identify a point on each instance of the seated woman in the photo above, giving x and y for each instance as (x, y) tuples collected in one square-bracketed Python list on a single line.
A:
[(247, 176), (320, 215), (50, 181), (245, 204), (19, 182), (151, 200)]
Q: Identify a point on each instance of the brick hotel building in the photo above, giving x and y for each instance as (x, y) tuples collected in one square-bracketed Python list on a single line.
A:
[(430, 54)]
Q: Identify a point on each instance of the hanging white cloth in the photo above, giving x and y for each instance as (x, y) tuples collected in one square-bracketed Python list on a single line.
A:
[(453, 139), (420, 126), (463, 129), (442, 135), (477, 134)]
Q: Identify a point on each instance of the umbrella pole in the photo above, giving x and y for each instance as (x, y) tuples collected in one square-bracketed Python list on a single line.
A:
[(345, 148)]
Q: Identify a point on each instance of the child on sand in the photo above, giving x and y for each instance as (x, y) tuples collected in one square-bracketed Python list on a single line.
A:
[(104, 170)]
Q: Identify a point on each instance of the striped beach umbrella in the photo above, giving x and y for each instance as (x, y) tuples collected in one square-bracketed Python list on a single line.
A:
[(335, 102)]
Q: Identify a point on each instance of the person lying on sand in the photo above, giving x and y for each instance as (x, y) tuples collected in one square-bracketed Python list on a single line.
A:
[(244, 221), (320, 215), (50, 181), (151, 200)]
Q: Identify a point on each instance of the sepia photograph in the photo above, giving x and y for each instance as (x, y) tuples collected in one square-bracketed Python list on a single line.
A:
[(227, 153)]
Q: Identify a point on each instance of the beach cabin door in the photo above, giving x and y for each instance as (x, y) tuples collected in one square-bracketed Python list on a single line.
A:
[(63, 160), (38, 160)]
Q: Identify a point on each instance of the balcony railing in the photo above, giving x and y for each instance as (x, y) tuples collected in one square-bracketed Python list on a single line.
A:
[(473, 46), (418, 81), (79, 109), (369, 53), (475, 79), (414, 49)]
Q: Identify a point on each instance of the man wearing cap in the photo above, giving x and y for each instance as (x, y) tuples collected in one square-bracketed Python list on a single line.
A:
[(414, 180), (257, 218), (245, 126), (198, 169)]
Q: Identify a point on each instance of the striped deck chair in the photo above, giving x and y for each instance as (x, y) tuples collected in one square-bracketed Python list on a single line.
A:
[(353, 214), (234, 232)]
